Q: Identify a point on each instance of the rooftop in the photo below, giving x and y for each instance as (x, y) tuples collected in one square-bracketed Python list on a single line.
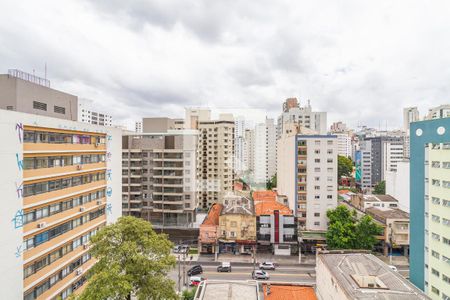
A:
[(364, 276), (230, 290), (213, 215), (289, 292), (389, 213), (265, 203), (380, 198)]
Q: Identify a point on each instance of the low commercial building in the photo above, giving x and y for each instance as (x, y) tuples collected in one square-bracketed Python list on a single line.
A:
[(231, 290), (355, 276), (276, 224), (277, 291), (237, 225), (209, 230), (363, 202), (396, 222)]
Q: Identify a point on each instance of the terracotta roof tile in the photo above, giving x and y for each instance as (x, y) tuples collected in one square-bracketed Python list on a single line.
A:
[(289, 292), (266, 203), (213, 215)]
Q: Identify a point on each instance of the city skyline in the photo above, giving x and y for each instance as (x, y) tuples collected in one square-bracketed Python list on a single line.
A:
[(130, 59)]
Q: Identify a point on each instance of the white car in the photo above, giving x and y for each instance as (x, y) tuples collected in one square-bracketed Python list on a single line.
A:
[(267, 265), (260, 274)]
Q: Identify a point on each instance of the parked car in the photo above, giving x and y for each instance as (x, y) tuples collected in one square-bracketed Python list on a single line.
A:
[(195, 270), (224, 267), (267, 265), (195, 280), (181, 249), (393, 268), (260, 274)]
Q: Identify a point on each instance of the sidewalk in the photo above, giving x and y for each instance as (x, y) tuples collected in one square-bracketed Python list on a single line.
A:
[(396, 260), (260, 257)]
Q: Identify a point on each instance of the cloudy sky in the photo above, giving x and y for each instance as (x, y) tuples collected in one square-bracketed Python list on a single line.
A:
[(361, 61)]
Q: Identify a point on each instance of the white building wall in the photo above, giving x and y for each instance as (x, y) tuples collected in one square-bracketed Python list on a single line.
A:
[(326, 286), (271, 148), (88, 114), (11, 154), (392, 154), (260, 158), (344, 142), (239, 140), (321, 176), (286, 180), (397, 184)]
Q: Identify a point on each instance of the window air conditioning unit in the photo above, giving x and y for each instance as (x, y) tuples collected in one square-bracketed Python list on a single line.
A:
[(82, 209), (42, 225), (97, 144), (85, 246), (99, 202), (79, 271), (79, 167)]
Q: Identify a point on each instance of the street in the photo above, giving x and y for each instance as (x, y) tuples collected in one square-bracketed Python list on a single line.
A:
[(299, 274)]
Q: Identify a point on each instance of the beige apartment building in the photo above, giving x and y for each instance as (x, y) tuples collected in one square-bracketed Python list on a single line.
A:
[(58, 186), (215, 173), (159, 174), (23, 92)]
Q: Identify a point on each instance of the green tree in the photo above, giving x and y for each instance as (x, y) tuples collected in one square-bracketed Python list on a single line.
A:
[(380, 188), (345, 166), (345, 231), (272, 182), (189, 294), (132, 259)]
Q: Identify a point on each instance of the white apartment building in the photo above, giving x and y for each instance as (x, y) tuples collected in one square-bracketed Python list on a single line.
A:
[(439, 112), (397, 184), (307, 175), (410, 114), (344, 142), (303, 116), (249, 154), (88, 114), (194, 115), (138, 127), (215, 154), (392, 155), (60, 183), (264, 152)]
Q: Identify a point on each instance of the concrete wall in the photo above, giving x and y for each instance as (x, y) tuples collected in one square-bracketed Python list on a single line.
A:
[(286, 164), (397, 184), (326, 286), (21, 94)]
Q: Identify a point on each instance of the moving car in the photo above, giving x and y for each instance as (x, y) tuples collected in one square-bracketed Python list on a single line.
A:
[(267, 265), (195, 280), (225, 267), (181, 249), (260, 274), (195, 270)]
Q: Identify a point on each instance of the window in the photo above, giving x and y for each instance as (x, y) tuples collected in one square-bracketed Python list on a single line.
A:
[(435, 200), (316, 214), (39, 105), (317, 160), (435, 290), (435, 218), (9, 107), (329, 160), (317, 187), (316, 169), (446, 241), (317, 151), (329, 196), (316, 223), (435, 254), (330, 151), (435, 236), (317, 197), (435, 272), (59, 110)]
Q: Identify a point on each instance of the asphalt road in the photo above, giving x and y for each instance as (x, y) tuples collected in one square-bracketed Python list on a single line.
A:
[(299, 274)]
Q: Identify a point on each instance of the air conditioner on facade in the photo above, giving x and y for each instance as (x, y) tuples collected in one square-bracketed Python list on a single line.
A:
[(85, 246), (42, 225), (97, 144), (79, 271), (99, 202), (82, 209), (79, 167)]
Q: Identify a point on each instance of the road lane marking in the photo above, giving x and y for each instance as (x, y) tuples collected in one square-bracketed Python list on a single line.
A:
[(270, 274)]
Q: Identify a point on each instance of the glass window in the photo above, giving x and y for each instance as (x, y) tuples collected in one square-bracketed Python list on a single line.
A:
[(41, 162), (41, 238), (41, 187), (76, 180), (42, 212), (29, 136), (42, 137), (28, 163), (55, 208)]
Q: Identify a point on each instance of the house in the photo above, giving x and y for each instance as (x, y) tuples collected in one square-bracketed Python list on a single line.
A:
[(208, 230), (237, 225), (276, 224), (362, 202)]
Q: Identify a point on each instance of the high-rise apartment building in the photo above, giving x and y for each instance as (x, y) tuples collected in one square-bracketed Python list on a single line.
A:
[(88, 114), (23, 92), (138, 126), (215, 173), (430, 207), (344, 142), (410, 114), (239, 144), (307, 175), (302, 116), (441, 111), (159, 174), (383, 153), (249, 146), (264, 152), (195, 115), (59, 186)]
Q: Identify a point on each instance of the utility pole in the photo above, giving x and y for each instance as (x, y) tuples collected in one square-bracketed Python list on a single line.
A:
[(179, 275), (184, 269), (254, 258)]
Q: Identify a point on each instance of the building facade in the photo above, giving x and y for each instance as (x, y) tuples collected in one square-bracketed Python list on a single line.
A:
[(430, 206), (264, 152), (307, 175), (88, 114), (237, 225), (239, 145), (304, 116), (159, 177), (209, 230), (23, 92), (59, 183), (439, 112), (397, 184), (215, 154)]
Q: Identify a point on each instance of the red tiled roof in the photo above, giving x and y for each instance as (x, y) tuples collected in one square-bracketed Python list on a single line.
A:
[(265, 203), (213, 215), (289, 292)]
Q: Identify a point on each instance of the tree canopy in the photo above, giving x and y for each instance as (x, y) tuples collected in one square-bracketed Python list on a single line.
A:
[(272, 182), (132, 259), (345, 166), (345, 231), (380, 188)]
